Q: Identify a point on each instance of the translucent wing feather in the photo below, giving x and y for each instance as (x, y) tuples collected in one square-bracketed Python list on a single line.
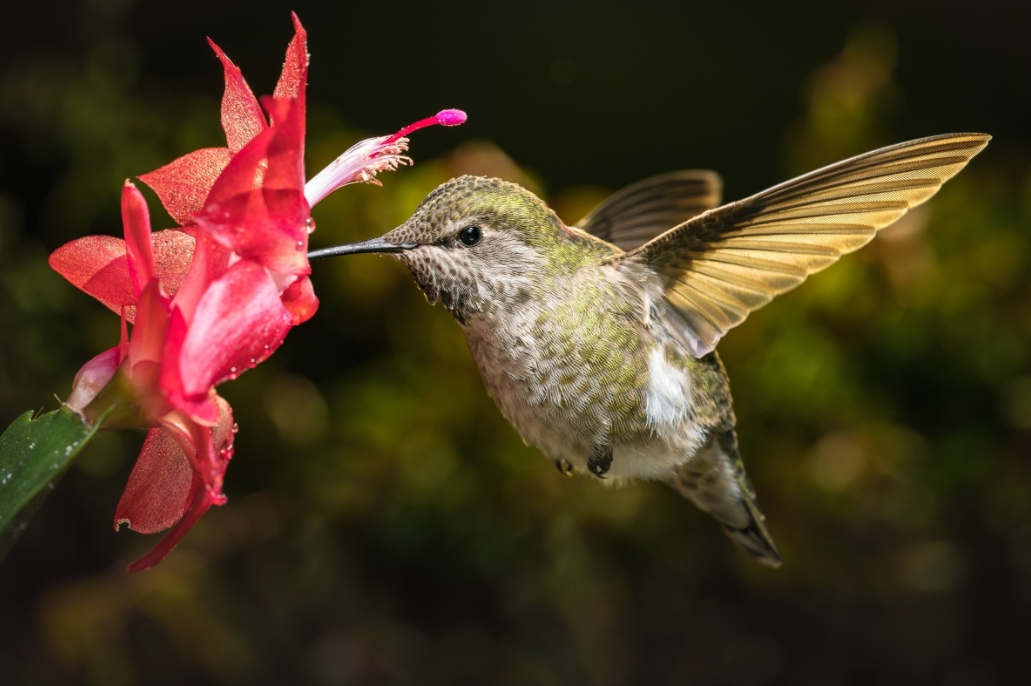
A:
[(721, 265), (640, 212)]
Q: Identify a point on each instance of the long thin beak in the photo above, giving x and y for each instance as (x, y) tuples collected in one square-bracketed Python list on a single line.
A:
[(371, 245)]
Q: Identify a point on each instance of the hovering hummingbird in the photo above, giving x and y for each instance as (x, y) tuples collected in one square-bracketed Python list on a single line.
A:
[(597, 341)]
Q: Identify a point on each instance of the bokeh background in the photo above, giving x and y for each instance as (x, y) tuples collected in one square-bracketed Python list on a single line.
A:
[(384, 524)]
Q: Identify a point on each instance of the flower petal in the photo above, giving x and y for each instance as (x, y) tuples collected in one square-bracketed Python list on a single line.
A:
[(151, 327), (197, 407), (98, 266), (149, 502), (173, 254), (199, 503), (238, 322), (295, 68), (257, 207), (184, 184), (242, 118), (215, 448), (93, 376), (136, 224), (299, 299), (363, 160), (359, 163), (159, 486), (210, 261)]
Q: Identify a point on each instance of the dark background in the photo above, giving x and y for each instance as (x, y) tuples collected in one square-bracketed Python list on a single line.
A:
[(385, 525)]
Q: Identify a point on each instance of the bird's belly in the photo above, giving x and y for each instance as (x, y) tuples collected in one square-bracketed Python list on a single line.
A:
[(647, 455), (568, 413)]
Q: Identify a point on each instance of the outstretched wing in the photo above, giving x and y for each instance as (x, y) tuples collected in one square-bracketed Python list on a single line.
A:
[(725, 263), (633, 216)]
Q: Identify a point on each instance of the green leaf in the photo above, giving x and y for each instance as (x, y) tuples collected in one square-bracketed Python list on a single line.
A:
[(34, 452)]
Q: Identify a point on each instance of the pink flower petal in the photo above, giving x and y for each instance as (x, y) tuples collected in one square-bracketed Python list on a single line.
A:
[(215, 448), (159, 487), (93, 376), (257, 207), (136, 223), (197, 407), (212, 448), (359, 163), (210, 260), (98, 266), (183, 185), (363, 160), (149, 332), (173, 254), (300, 301), (295, 69), (238, 322), (199, 503), (242, 118)]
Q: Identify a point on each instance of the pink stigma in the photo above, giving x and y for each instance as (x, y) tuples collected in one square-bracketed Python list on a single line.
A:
[(444, 118), (451, 117)]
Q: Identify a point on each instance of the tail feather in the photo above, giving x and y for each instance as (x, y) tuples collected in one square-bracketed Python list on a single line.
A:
[(755, 540), (714, 479)]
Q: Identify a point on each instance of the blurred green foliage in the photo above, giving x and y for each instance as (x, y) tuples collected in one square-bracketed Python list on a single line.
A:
[(385, 525)]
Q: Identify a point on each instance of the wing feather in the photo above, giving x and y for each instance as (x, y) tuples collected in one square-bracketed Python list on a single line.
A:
[(721, 265), (633, 216)]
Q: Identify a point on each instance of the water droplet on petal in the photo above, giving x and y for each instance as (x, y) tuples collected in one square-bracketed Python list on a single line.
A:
[(309, 224)]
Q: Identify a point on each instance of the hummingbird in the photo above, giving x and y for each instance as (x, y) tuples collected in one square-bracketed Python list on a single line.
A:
[(598, 340)]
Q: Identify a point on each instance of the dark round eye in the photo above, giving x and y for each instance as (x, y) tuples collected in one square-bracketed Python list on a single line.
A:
[(470, 235)]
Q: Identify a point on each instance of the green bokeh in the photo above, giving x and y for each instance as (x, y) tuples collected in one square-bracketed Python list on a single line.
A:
[(384, 524)]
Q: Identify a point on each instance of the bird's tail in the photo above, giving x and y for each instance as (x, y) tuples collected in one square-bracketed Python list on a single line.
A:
[(754, 539), (715, 480)]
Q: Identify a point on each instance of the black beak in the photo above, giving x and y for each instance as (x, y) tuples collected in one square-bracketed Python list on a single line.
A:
[(371, 245)]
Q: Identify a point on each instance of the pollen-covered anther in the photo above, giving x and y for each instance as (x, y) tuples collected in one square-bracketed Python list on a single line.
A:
[(386, 162)]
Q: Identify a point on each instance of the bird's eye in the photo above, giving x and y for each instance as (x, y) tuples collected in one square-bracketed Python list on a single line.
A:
[(470, 235)]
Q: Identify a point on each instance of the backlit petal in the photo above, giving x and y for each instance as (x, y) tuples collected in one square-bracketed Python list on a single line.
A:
[(199, 502), (295, 68), (173, 254), (242, 118), (145, 506), (184, 184), (159, 487)]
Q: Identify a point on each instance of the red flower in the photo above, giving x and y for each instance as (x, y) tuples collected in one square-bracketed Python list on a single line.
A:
[(222, 301), (178, 474), (212, 299)]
